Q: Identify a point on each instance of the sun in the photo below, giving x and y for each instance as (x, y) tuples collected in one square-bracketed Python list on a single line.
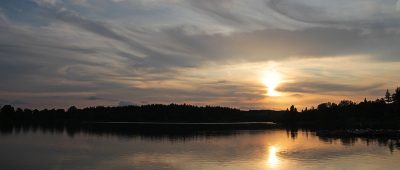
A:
[(272, 79)]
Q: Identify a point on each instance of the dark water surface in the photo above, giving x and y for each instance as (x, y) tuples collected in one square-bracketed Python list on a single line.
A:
[(245, 149)]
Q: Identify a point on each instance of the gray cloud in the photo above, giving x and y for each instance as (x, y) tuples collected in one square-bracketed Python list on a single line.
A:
[(356, 12), (264, 45), (125, 103), (223, 11), (94, 98), (16, 102), (76, 48), (325, 88)]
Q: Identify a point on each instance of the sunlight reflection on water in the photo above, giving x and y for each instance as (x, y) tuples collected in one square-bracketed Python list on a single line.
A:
[(273, 160), (270, 149)]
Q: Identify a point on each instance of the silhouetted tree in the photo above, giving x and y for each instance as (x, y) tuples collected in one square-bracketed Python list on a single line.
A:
[(396, 96), (325, 106), (346, 103), (293, 109), (72, 109), (388, 96), (8, 109)]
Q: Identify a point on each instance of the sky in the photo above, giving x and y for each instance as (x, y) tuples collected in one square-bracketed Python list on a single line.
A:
[(58, 53)]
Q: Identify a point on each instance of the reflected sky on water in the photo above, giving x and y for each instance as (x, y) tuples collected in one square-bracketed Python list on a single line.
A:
[(269, 149)]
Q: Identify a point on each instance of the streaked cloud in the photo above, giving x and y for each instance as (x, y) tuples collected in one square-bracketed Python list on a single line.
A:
[(200, 52)]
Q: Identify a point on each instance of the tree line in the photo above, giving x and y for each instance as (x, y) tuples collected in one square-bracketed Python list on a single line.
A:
[(143, 113), (384, 111)]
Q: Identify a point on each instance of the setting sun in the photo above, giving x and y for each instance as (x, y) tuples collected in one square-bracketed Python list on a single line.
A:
[(271, 80)]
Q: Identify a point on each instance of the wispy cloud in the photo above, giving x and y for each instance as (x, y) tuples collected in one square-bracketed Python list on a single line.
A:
[(167, 51)]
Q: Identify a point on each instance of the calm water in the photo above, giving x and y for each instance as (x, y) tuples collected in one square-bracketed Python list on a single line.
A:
[(269, 149)]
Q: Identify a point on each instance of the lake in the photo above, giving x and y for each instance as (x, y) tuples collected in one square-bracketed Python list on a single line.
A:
[(245, 149)]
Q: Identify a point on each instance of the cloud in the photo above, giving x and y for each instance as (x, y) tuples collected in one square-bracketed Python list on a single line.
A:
[(13, 102), (236, 15), (326, 88), (80, 2), (152, 47), (149, 49), (398, 5), (125, 103), (94, 98), (340, 12), (275, 44), (46, 2)]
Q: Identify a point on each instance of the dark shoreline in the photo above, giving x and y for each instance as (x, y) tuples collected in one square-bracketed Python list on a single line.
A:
[(187, 123)]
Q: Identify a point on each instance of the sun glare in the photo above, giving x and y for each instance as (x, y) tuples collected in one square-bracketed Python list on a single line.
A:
[(273, 160), (271, 80)]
